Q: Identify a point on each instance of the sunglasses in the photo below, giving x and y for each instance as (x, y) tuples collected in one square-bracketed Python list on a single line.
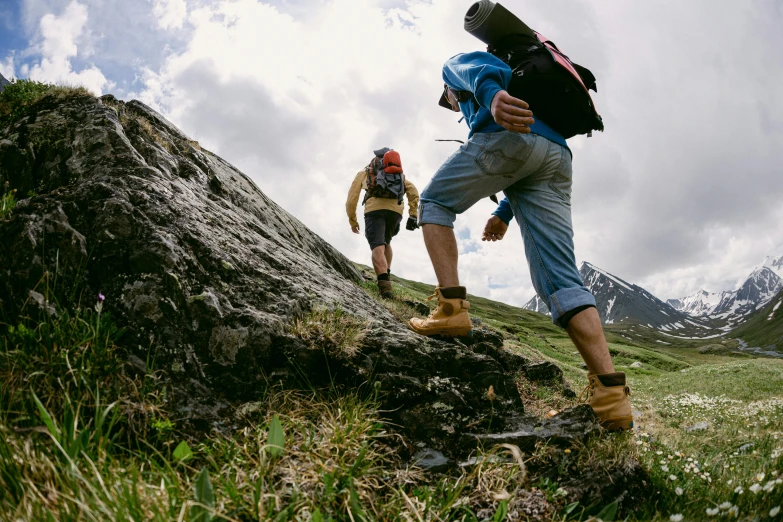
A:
[(460, 96)]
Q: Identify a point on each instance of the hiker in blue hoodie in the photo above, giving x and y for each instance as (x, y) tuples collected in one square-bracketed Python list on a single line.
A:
[(509, 150)]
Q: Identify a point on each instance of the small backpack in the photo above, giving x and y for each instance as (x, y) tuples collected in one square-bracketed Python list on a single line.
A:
[(384, 176)]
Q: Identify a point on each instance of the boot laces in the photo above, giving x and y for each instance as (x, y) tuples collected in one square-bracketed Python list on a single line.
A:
[(587, 392)]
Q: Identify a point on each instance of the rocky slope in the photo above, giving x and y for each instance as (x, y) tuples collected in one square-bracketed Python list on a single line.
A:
[(208, 275), (757, 290), (762, 332), (3, 82)]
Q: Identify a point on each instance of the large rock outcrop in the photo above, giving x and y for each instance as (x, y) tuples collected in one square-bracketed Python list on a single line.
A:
[(207, 273)]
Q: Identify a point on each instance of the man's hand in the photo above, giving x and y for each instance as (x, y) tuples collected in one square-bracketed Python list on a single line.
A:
[(412, 223), (511, 113), (494, 230), (355, 229)]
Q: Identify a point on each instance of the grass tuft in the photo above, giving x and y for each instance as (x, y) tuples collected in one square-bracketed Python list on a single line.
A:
[(331, 329), (18, 95), (7, 201)]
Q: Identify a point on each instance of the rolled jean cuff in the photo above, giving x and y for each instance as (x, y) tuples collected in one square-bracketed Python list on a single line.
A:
[(433, 214), (567, 299)]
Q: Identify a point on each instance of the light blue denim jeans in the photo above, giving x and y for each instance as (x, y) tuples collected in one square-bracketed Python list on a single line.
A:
[(535, 175)]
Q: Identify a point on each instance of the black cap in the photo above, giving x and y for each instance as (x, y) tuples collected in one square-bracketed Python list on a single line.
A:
[(444, 100)]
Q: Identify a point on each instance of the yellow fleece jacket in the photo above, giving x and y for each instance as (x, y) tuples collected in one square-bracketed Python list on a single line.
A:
[(360, 183)]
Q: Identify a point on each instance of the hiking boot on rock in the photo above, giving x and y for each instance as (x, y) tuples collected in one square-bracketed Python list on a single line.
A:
[(385, 288), (608, 395), (450, 318)]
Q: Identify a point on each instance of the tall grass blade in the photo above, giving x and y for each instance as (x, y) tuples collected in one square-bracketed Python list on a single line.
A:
[(204, 496), (276, 438)]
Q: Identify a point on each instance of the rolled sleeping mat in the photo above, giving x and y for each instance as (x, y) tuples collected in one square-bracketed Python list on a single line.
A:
[(489, 22)]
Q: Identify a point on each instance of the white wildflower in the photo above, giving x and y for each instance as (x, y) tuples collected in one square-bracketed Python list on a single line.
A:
[(738, 490), (769, 486), (665, 469), (711, 512), (759, 477), (725, 505), (734, 510), (755, 488), (672, 477), (676, 518), (774, 511)]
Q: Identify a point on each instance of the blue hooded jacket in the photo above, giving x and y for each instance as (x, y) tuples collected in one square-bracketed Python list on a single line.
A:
[(485, 75)]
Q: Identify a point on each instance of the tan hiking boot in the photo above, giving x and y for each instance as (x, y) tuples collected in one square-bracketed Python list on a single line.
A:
[(386, 290), (450, 318), (608, 395)]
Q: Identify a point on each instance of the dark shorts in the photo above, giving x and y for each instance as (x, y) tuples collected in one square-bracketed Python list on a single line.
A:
[(380, 226)]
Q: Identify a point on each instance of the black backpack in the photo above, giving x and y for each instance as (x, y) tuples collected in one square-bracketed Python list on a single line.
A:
[(555, 88)]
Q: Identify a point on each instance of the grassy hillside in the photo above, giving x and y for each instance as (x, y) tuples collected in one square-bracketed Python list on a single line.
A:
[(86, 436), (765, 328), (709, 425)]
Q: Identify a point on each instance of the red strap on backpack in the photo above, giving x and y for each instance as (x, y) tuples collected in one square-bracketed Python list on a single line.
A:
[(560, 58)]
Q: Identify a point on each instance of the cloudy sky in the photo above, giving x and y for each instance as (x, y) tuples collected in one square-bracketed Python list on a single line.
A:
[(683, 191)]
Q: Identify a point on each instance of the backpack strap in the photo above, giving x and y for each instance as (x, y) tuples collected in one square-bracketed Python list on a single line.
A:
[(367, 173)]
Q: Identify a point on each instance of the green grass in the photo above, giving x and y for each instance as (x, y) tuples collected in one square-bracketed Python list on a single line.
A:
[(677, 386), (740, 444), (18, 95), (330, 329), (765, 328), (84, 438), (7, 202)]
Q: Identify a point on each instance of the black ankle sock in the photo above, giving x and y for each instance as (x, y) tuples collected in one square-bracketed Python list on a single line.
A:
[(454, 292), (383, 277), (612, 379)]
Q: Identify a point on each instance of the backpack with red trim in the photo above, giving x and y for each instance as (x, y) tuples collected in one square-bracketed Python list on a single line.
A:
[(385, 178), (555, 88)]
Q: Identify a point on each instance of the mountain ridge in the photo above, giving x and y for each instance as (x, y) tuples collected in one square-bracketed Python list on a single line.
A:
[(620, 301)]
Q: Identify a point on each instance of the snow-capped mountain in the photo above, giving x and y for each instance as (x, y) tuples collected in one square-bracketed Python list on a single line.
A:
[(731, 308), (774, 263), (758, 289), (699, 304), (618, 300)]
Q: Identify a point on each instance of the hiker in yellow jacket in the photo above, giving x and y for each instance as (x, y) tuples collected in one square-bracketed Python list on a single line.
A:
[(385, 185)]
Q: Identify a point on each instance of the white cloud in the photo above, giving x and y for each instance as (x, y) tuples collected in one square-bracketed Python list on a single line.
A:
[(299, 101), (681, 192), (58, 45), (171, 14), (7, 67)]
